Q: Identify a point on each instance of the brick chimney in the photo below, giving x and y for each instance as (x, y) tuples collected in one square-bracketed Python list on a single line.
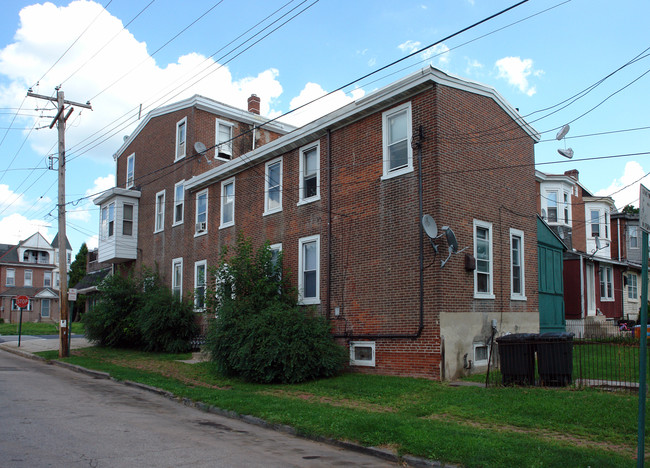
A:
[(254, 104), (572, 173)]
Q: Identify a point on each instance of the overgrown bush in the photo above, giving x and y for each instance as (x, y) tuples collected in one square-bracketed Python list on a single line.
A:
[(259, 332), (140, 313)]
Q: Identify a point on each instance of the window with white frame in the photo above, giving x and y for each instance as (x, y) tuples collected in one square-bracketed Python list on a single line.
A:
[(483, 254), (362, 353), (481, 354), (634, 236), (309, 173), (179, 202), (160, 211), (200, 272), (224, 135), (551, 207), (201, 212), (127, 219), (632, 288), (47, 279), (11, 277), (28, 277), (397, 133), (606, 283), (108, 222), (594, 216), (177, 277), (130, 171), (567, 205), (181, 137), (273, 187), (45, 308), (227, 203), (517, 289), (275, 249), (14, 306), (309, 266), (57, 280)]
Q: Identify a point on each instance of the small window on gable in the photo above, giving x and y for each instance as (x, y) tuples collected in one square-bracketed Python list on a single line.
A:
[(181, 138), (224, 137), (309, 173), (397, 134), (130, 171), (362, 353)]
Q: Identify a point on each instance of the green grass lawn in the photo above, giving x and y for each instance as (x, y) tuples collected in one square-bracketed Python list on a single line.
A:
[(39, 328), (470, 426)]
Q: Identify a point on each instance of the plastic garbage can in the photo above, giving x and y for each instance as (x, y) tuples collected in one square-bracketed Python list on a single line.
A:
[(517, 357), (555, 358)]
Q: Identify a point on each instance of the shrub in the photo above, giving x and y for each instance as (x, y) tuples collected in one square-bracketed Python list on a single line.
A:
[(260, 333)]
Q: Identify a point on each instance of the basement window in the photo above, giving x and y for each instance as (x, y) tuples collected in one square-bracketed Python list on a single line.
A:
[(362, 353), (481, 354)]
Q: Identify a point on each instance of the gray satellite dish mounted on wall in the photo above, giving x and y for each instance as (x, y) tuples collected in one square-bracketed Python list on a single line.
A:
[(452, 243), (200, 148), (431, 229)]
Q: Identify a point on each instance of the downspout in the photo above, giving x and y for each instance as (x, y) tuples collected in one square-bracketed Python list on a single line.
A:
[(618, 236), (254, 135), (582, 290), (329, 224), (416, 335)]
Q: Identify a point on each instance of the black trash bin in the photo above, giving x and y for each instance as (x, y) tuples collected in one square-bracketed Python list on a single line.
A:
[(555, 358), (517, 356)]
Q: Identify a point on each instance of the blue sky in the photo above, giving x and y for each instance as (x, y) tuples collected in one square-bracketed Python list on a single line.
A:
[(536, 55)]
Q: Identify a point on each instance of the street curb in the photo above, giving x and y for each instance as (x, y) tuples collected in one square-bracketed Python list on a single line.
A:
[(376, 452)]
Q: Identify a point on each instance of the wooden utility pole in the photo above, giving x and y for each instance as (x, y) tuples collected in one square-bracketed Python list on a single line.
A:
[(60, 120)]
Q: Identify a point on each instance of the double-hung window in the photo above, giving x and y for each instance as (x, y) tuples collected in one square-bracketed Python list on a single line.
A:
[(606, 283), (108, 221), (227, 203), (177, 277), (632, 288), (273, 187), (130, 171), (551, 206), (160, 211), (309, 274), (127, 219), (397, 133), (595, 223), (224, 137), (517, 290), (201, 212), (47, 279), (181, 138), (566, 208), (483, 275), (179, 202), (11, 277), (309, 173), (200, 271), (634, 237), (28, 277)]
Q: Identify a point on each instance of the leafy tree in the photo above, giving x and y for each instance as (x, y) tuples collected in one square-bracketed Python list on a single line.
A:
[(629, 209), (78, 266), (258, 330)]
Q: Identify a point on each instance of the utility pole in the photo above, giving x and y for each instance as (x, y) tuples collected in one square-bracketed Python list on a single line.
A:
[(60, 120)]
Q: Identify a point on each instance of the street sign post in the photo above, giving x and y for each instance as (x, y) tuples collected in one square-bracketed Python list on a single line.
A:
[(644, 222), (22, 302)]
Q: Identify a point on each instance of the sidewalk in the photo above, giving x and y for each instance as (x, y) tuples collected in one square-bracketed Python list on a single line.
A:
[(34, 344)]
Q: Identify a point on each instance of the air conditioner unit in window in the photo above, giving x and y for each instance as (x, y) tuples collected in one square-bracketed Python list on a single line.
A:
[(201, 227)]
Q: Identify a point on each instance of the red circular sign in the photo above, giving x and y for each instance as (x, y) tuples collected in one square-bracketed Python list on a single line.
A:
[(22, 302)]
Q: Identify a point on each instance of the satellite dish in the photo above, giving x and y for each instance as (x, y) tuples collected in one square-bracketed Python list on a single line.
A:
[(451, 240), (562, 133), (200, 147), (543, 214), (598, 246), (430, 226), (567, 153)]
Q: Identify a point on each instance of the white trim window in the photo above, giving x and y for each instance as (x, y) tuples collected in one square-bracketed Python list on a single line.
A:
[(29, 276), (160, 212), (14, 306), (632, 287), (11, 277), (201, 217), (309, 173), (606, 284), (276, 250), (179, 202), (517, 275), (227, 203), (47, 279), (127, 219), (362, 353), (200, 272), (273, 187), (45, 308), (634, 236), (130, 171), (224, 139), (483, 275), (177, 277), (551, 206), (567, 209), (108, 222), (481, 354), (397, 133), (309, 266), (181, 138)]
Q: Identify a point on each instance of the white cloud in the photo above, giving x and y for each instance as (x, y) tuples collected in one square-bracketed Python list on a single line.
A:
[(319, 108), (92, 242), (409, 46), (627, 186), (372, 62), (101, 184), (17, 227), (83, 210), (439, 52), (474, 67), (516, 71)]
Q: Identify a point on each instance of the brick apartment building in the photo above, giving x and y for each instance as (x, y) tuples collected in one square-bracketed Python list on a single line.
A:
[(343, 198)]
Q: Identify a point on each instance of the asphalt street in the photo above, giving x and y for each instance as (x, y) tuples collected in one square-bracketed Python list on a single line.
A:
[(54, 417)]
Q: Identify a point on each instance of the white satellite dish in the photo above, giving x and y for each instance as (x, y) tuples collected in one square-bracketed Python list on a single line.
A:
[(567, 153), (200, 147), (598, 246), (562, 133), (430, 226)]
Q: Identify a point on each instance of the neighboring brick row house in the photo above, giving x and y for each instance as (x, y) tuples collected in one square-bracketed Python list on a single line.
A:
[(30, 269), (602, 266), (343, 198)]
